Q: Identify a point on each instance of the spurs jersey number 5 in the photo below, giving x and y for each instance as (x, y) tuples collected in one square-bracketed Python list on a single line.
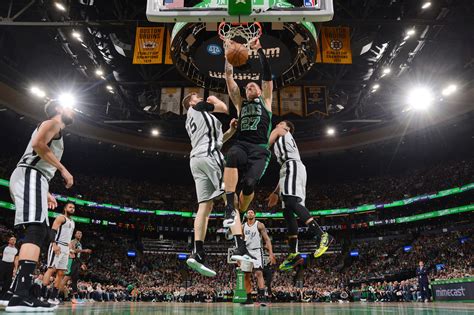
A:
[(205, 132), (31, 159), (285, 149)]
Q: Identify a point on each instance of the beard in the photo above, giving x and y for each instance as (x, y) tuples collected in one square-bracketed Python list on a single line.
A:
[(67, 120)]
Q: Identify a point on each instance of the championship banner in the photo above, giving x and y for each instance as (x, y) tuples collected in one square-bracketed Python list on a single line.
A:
[(318, 50), (290, 101), (336, 44), (148, 45), (170, 100), (168, 60), (315, 98), (198, 90)]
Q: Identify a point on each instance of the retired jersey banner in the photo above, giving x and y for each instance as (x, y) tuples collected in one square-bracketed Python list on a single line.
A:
[(315, 98), (336, 44), (170, 100), (148, 45), (291, 100)]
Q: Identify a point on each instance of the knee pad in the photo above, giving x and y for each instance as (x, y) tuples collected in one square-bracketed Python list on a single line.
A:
[(248, 186), (36, 233), (291, 222)]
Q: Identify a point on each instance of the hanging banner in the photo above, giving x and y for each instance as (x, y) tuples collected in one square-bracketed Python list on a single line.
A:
[(315, 99), (291, 101), (148, 45), (168, 60), (275, 104), (318, 50), (198, 90), (170, 100), (336, 44)]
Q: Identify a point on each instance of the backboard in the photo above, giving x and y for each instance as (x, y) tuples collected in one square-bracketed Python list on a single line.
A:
[(240, 11)]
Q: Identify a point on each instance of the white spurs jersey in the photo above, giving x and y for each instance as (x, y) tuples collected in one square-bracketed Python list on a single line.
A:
[(205, 132), (285, 149), (65, 232), (253, 239), (31, 159)]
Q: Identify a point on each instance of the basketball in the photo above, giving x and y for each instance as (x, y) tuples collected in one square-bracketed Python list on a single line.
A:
[(237, 54)]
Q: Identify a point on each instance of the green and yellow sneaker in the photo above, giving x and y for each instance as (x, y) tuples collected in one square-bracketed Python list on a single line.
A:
[(326, 241), (293, 260)]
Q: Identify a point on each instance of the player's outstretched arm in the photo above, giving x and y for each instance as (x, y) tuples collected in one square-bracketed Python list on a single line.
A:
[(219, 106), (45, 134), (273, 197), (231, 131), (232, 87), (276, 133), (267, 81), (267, 241)]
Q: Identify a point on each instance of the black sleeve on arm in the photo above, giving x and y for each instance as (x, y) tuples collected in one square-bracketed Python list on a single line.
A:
[(267, 71), (204, 107)]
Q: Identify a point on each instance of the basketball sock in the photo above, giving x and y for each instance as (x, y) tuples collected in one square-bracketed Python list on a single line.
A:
[(54, 293), (230, 198), (293, 243), (240, 241), (261, 293), (24, 277), (44, 291), (314, 229), (199, 246)]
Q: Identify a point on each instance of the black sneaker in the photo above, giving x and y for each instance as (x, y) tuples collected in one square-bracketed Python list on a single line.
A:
[(229, 216), (4, 299), (28, 304), (196, 262), (247, 302), (242, 254)]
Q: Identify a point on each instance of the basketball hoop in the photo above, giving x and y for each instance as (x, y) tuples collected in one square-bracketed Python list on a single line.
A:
[(246, 31)]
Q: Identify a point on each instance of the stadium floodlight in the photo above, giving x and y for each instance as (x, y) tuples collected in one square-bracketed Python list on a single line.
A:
[(386, 71), (60, 6), (426, 5), (420, 98), (99, 72), (410, 32), (77, 35), (155, 132), (109, 87), (331, 131), (450, 89), (67, 100), (375, 87), (38, 92)]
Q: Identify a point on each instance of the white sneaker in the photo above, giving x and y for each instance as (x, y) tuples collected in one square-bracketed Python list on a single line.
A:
[(53, 301)]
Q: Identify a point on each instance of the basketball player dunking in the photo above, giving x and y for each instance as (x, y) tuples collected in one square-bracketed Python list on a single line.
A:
[(250, 153), (58, 253), (29, 185), (207, 166), (256, 241), (292, 188)]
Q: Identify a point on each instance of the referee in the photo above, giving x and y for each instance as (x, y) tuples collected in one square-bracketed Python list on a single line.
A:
[(8, 266)]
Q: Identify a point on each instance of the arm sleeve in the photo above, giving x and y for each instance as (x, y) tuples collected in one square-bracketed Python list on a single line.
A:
[(204, 107), (267, 71)]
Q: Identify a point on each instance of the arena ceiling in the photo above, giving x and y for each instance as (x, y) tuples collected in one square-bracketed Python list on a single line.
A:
[(432, 47)]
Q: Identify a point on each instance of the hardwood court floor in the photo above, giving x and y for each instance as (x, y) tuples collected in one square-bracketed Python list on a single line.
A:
[(128, 308)]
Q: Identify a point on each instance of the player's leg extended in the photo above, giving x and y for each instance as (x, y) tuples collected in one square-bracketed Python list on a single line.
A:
[(294, 258), (196, 260), (236, 157), (57, 286), (293, 204)]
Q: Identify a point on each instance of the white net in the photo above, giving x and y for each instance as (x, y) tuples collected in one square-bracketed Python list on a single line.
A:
[(244, 33)]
